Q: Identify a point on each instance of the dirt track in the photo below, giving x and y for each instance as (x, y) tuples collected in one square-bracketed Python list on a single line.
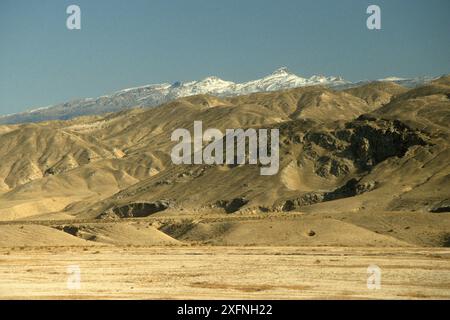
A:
[(224, 272)]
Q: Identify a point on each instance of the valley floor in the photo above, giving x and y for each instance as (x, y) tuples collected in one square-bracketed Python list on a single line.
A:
[(216, 272)]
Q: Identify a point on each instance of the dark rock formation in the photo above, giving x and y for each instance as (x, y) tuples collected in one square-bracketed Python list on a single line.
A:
[(231, 206), (304, 200), (361, 144), (443, 206), (136, 210)]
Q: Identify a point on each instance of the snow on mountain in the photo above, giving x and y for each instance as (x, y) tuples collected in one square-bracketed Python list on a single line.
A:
[(391, 79), (410, 82), (156, 94), (284, 79)]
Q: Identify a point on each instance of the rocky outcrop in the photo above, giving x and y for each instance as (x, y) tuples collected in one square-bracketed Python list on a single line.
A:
[(360, 145), (304, 200), (443, 206), (135, 210), (231, 206), (351, 188), (373, 141), (68, 162), (72, 230)]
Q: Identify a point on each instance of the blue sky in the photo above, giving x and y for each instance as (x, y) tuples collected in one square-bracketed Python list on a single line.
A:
[(129, 43)]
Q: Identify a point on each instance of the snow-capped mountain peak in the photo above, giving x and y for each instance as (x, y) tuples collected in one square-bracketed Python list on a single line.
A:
[(155, 94), (282, 71), (214, 82), (392, 79)]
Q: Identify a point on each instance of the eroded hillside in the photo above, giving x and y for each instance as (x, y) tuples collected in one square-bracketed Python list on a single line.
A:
[(376, 147)]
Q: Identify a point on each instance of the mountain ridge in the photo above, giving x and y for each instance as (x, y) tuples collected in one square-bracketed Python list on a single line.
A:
[(375, 155), (156, 94)]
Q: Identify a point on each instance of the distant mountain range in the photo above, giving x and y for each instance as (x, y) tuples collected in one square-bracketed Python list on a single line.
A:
[(156, 94)]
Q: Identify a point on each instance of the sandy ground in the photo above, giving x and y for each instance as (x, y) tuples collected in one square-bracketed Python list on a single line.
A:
[(205, 272)]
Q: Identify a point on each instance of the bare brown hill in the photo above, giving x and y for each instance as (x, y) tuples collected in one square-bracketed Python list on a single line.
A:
[(377, 93), (375, 148)]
